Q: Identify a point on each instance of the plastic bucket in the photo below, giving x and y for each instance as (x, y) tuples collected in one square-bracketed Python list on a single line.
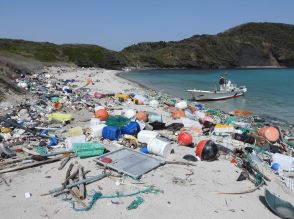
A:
[(152, 117), (111, 132), (97, 130), (131, 129), (159, 146), (145, 136)]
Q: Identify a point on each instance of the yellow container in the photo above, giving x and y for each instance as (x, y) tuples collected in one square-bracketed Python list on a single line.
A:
[(5, 130), (62, 117), (122, 96)]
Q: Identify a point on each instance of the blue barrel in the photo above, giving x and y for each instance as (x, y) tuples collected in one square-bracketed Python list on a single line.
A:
[(111, 132), (131, 129)]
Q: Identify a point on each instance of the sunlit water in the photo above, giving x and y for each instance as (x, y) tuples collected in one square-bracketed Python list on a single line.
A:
[(270, 91)]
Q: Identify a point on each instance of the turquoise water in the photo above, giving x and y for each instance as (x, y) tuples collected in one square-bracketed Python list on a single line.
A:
[(270, 91)]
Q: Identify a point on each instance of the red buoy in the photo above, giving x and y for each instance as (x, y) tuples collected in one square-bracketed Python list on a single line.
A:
[(185, 138)]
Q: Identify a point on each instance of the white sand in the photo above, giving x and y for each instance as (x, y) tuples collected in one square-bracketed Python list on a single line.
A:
[(184, 196)]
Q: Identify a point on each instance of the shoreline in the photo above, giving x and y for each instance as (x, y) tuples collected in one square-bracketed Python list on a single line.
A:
[(188, 190)]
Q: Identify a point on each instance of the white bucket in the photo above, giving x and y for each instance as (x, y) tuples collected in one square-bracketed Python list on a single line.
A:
[(181, 105), (74, 139), (94, 122), (286, 162), (145, 136), (159, 146), (97, 130)]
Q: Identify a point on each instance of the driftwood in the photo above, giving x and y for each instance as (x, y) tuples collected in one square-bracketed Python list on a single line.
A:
[(82, 186), (63, 163), (76, 194), (31, 165), (179, 163)]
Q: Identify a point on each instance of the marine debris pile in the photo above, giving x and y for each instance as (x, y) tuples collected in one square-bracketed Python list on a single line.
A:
[(129, 134)]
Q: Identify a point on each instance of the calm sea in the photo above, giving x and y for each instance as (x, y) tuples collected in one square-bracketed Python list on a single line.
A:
[(270, 91)]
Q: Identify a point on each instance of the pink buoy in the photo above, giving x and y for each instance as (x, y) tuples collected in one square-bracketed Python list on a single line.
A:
[(271, 134), (261, 131)]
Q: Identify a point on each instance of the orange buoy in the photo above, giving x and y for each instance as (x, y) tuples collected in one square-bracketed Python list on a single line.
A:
[(185, 138), (261, 131), (142, 116), (178, 114), (101, 114), (271, 134), (57, 105)]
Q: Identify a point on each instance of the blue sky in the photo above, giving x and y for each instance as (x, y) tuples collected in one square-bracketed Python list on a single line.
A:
[(115, 24)]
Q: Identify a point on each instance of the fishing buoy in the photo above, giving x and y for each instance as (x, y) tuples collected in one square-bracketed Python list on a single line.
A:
[(207, 150), (261, 131), (142, 116), (271, 134), (185, 138), (101, 114)]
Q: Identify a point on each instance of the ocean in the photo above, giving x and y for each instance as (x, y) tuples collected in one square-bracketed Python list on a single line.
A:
[(270, 91)]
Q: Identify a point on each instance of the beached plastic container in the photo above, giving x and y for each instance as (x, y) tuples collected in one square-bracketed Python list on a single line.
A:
[(153, 117), (145, 136), (131, 129), (285, 162), (94, 122), (181, 105), (74, 139), (159, 146), (97, 130), (111, 132)]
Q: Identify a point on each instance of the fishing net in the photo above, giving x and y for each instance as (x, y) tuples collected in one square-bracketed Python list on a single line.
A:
[(95, 196)]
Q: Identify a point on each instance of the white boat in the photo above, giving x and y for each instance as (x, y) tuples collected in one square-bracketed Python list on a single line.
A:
[(225, 91)]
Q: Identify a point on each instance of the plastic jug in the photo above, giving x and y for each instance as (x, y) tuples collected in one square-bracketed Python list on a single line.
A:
[(286, 162)]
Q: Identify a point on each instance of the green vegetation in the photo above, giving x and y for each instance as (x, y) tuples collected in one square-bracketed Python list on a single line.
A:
[(251, 44)]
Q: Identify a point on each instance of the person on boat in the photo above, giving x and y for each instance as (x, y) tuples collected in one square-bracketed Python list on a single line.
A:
[(222, 82)]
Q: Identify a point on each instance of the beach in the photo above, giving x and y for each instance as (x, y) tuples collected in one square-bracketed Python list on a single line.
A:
[(182, 190)]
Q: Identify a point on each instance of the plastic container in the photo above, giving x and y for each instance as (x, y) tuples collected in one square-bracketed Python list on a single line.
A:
[(130, 113), (188, 123), (94, 122), (111, 132), (159, 146), (154, 103), (97, 130), (145, 136), (75, 131), (152, 117), (181, 105), (74, 139), (144, 150), (285, 162), (131, 129)]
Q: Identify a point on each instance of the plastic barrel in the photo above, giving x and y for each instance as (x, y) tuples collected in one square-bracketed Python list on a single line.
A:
[(152, 117), (111, 132), (159, 146), (145, 136), (131, 129)]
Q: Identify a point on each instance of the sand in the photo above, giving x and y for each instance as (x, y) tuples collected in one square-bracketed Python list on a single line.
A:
[(188, 191)]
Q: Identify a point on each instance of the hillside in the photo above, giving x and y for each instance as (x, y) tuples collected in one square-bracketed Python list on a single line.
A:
[(79, 54), (251, 44)]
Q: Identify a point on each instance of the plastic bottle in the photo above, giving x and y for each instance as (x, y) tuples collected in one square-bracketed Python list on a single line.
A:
[(285, 162)]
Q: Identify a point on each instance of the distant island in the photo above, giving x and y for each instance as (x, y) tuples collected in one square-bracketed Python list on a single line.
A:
[(247, 45)]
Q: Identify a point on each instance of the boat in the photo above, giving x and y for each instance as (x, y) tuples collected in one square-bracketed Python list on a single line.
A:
[(226, 90)]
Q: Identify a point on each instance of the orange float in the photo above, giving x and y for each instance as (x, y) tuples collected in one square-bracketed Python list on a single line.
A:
[(261, 131), (57, 105), (271, 134), (101, 114), (185, 138), (142, 116)]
